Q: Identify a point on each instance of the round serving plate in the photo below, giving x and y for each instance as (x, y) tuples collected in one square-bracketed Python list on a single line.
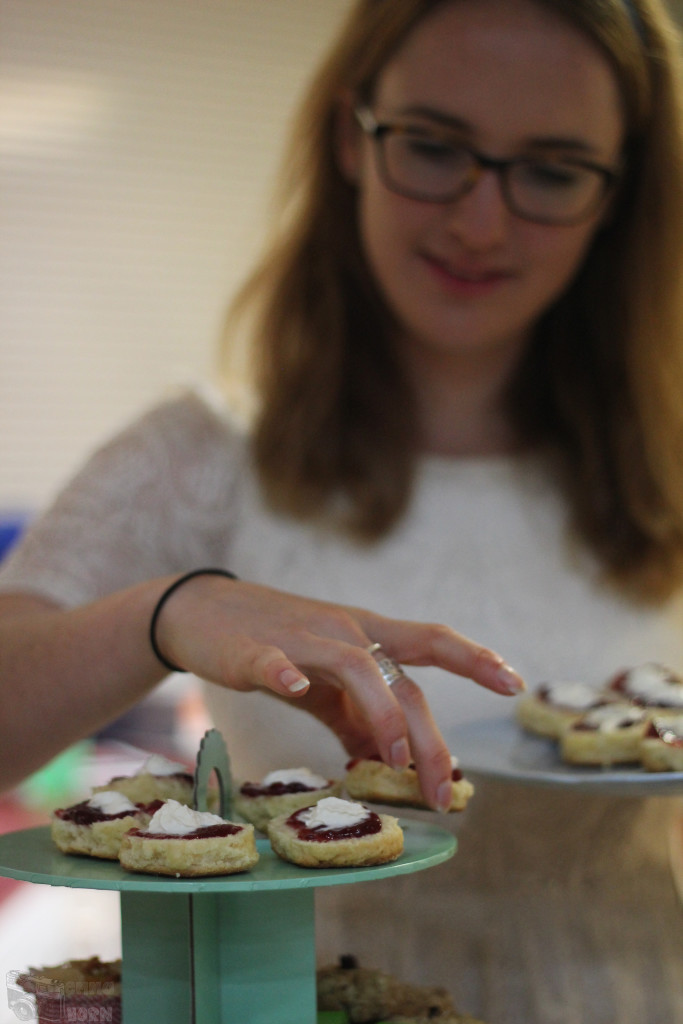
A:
[(498, 748)]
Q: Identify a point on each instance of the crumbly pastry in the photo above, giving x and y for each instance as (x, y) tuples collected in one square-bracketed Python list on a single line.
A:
[(608, 734), (550, 708), (652, 686), (661, 748), (157, 779), (372, 780), (336, 833), (96, 827), (367, 995), (185, 843), (282, 792)]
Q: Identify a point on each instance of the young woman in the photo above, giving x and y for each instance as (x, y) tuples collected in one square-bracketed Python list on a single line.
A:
[(467, 367)]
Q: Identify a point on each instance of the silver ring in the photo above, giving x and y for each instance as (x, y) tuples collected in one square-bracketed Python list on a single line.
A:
[(390, 669)]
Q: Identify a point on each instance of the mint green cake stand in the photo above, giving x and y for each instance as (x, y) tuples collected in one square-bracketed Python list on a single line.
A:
[(239, 949)]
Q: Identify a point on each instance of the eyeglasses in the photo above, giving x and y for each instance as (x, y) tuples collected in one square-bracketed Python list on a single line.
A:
[(434, 167)]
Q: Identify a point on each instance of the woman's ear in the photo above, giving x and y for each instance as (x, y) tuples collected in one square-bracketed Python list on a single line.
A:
[(348, 139)]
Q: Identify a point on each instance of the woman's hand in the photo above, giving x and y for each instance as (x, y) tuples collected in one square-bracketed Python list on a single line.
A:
[(245, 636)]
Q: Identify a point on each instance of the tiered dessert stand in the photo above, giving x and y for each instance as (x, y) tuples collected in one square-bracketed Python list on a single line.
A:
[(237, 949)]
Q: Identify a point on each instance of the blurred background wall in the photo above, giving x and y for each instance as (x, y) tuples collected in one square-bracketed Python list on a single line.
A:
[(138, 143)]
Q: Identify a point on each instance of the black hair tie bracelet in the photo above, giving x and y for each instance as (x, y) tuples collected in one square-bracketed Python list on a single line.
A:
[(162, 601)]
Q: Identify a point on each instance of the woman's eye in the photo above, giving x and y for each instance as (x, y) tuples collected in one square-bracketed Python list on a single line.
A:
[(551, 175), (432, 150)]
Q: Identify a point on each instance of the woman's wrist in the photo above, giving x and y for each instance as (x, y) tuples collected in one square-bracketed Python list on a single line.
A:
[(159, 606)]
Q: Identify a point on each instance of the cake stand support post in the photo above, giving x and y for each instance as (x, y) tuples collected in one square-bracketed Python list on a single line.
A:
[(219, 958)]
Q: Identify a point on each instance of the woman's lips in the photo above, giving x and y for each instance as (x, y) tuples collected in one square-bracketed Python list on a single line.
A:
[(466, 280)]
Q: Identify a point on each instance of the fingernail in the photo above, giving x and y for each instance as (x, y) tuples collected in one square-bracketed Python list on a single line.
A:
[(399, 753), (444, 795), (511, 680), (294, 681)]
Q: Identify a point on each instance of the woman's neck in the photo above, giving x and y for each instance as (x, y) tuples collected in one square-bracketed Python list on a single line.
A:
[(461, 407)]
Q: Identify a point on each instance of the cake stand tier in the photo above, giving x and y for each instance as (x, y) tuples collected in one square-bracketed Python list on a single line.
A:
[(237, 948)]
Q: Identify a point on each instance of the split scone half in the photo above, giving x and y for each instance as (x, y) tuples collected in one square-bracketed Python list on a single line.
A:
[(282, 792), (96, 827), (157, 779), (336, 833), (661, 748), (372, 780), (188, 844), (651, 686), (609, 734), (551, 707)]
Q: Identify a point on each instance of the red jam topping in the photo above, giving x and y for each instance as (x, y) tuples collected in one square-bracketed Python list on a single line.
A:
[(85, 814), (208, 832), (253, 789), (369, 825)]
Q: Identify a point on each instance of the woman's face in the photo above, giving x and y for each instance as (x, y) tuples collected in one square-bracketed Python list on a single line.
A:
[(511, 79)]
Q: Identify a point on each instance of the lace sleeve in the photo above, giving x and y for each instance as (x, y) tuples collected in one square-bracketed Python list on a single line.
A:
[(154, 500)]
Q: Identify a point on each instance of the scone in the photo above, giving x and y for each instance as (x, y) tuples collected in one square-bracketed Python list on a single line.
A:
[(336, 833), (550, 708), (95, 827), (157, 779), (608, 734), (661, 748), (282, 792), (365, 995), (372, 780), (651, 686), (187, 844)]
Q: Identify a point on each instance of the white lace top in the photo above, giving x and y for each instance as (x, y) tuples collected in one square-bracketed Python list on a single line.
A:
[(558, 908)]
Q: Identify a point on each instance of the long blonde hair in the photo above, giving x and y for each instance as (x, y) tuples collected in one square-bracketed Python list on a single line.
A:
[(601, 386)]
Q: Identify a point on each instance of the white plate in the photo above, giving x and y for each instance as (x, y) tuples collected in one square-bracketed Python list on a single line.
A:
[(498, 748)]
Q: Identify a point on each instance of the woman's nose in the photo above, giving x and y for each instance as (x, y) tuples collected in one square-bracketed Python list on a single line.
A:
[(479, 216)]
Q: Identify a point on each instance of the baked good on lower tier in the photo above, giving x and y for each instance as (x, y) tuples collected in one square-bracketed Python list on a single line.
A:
[(652, 686), (156, 779), (336, 833), (372, 780), (88, 990), (367, 995), (95, 827), (608, 734), (551, 707), (661, 748), (281, 792), (185, 843)]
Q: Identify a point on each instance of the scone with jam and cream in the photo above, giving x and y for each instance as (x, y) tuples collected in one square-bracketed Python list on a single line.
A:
[(336, 833), (661, 748), (281, 792), (185, 843), (608, 734), (372, 780), (156, 779), (651, 686), (552, 707), (96, 827)]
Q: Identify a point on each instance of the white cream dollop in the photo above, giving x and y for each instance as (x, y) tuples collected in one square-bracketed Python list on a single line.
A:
[(333, 812), (175, 819), (110, 802), (158, 765), (610, 717), (575, 696), (288, 775), (654, 684)]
